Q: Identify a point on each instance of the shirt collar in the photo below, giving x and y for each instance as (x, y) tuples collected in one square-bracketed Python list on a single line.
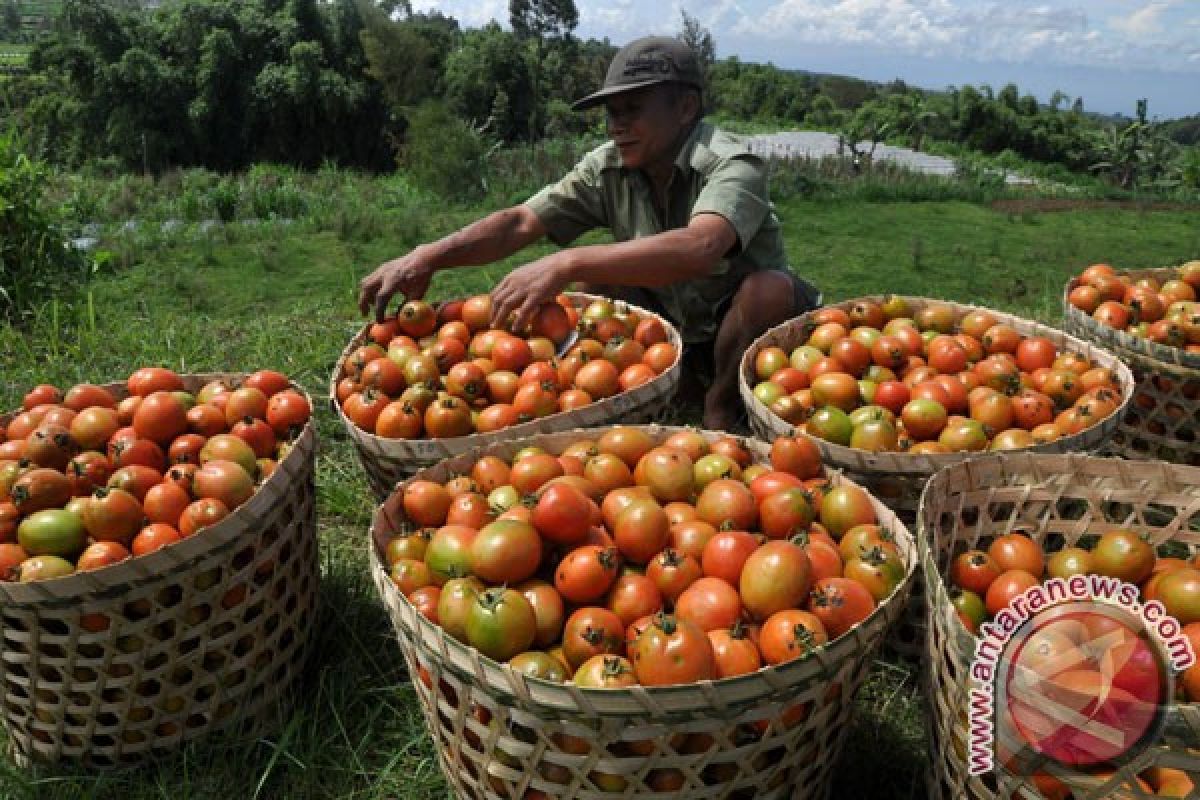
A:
[(684, 161)]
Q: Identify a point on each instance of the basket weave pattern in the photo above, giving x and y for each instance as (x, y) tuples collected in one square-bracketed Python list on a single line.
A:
[(775, 733), (388, 461), (107, 667), (1057, 499), (1163, 421)]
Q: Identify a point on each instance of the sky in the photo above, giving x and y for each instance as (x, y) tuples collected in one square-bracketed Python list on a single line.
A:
[(1109, 52)]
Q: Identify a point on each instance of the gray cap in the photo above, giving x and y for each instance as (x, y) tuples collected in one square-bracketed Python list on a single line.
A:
[(645, 62)]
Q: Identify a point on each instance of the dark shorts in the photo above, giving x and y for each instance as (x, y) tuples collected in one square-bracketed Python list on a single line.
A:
[(698, 356)]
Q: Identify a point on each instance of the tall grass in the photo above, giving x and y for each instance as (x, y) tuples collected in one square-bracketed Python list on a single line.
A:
[(840, 178)]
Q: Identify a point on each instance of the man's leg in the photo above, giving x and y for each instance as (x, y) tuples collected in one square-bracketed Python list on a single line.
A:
[(764, 300)]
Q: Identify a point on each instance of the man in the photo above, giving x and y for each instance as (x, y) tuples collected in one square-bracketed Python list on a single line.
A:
[(696, 236)]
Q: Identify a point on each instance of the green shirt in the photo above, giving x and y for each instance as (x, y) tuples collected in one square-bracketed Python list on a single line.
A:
[(714, 173)]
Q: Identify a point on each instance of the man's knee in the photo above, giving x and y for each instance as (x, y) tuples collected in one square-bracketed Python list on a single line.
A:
[(766, 295)]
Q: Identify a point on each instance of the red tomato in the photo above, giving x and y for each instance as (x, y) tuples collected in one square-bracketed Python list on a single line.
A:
[(734, 652), (1007, 586), (592, 631), (710, 603), (201, 514), (641, 531), (672, 651), (563, 514), (776, 576), (506, 552), (605, 672), (790, 634), (785, 513), (1017, 551), (634, 596), (587, 573), (691, 537), (673, 572), (725, 554), (974, 571), (113, 515), (426, 503), (548, 610)]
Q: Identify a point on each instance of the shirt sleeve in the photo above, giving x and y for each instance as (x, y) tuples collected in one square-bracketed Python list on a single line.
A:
[(573, 205), (737, 190)]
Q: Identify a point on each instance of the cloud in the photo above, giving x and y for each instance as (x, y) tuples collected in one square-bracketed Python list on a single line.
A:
[(1143, 22), (1127, 34), (474, 14), (1050, 33)]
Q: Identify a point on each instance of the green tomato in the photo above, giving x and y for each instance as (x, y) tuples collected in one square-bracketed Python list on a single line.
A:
[(501, 623), (831, 424), (41, 568), (52, 532)]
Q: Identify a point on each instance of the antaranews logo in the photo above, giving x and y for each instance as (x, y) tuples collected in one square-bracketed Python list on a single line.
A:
[(1076, 671)]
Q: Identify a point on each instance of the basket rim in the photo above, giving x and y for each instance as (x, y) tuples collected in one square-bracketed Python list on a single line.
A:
[(1175, 357), (924, 464), (958, 475), (503, 678), (173, 558), (664, 383)]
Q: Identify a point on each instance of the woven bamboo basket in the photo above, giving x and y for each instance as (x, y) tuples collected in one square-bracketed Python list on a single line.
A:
[(1163, 421), (1058, 499), (694, 740), (388, 461), (108, 667), (898, 478)]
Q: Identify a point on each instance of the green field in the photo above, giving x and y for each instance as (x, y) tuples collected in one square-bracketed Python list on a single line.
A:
[(283, 297)]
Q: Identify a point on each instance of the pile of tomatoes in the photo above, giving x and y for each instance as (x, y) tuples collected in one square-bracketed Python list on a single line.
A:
[(1166, 313), (88, 479), (985, 581), (448, 372), (629, 560), (883, 377)]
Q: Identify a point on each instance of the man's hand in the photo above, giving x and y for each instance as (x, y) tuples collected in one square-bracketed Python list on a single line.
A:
[(525, 289), (409, 275)]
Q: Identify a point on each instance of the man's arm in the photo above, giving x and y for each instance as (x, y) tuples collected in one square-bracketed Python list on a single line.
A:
[(663, 259), (496, 236)]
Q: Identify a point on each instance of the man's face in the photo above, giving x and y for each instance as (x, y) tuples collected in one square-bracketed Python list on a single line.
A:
[(645, 124)]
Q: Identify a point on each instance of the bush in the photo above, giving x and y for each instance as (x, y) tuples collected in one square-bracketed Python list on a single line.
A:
[(36, 261), (444, 154)]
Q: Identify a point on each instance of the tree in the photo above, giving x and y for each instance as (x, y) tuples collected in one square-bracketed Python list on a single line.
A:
[(399, 58), (208, 82), (697, 37), (492, 61), (446, 154), (1122, 150), (541, 19), (872, 123), (10, 20)]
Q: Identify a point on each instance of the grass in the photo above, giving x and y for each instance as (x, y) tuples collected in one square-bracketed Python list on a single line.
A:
[(282, 296)]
